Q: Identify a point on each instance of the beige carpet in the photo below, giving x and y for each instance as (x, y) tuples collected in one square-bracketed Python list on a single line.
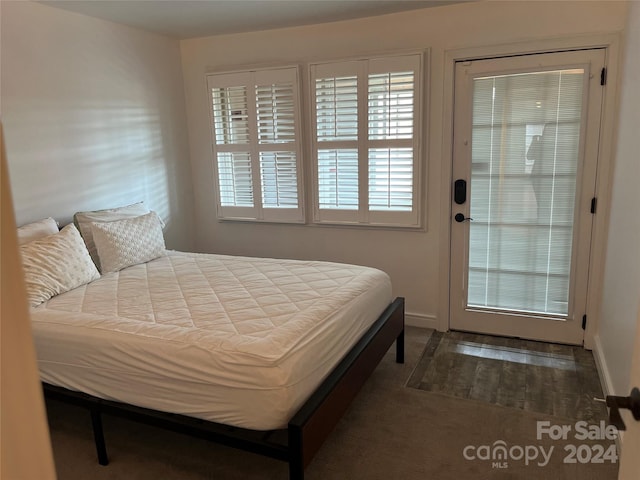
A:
[(390, 432)]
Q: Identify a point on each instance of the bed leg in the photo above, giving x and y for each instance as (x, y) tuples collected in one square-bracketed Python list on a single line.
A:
[(296, 470), (98, 436), (296, 461), (400, 347)]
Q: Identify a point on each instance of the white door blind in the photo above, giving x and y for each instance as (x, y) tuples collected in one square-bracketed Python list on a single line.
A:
[(255, 120), (526, 145), (365, 140)]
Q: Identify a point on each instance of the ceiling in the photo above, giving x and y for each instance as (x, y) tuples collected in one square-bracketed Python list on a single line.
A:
[(199, 18)]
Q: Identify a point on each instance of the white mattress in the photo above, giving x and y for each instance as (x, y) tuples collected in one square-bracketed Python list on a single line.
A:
[(236, 340)]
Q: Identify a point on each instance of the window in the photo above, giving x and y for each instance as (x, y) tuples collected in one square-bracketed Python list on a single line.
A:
[(256, 144), (366, 128)]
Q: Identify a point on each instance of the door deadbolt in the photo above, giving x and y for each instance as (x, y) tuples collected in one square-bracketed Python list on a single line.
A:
[(460, 191)]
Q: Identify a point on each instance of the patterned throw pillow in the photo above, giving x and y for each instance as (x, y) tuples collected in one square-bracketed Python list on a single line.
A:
[(127, 242), (56, 264), (83, 221)]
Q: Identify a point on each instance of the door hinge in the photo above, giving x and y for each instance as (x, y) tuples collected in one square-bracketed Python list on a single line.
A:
[(584, 322), (594, 204), (603, 76)]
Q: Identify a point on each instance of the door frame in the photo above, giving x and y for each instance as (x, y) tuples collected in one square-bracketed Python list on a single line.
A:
[(611, 44), (554, 327)]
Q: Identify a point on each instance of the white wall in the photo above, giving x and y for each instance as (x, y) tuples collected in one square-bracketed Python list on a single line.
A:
[(411, 258), (621, 293), (94, 118)]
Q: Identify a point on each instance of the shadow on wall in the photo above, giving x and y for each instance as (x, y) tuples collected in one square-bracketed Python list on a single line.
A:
[(94, 118), (89, 158)]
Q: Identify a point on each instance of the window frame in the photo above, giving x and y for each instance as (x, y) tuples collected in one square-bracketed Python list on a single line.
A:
[(251, 78), (363, 67)]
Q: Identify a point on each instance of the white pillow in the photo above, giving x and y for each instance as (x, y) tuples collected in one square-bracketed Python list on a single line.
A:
[(36, 230), (83, 221), (127, 242), (56, 264)]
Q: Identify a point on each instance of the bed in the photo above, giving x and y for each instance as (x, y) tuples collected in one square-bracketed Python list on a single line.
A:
[(259, 354)]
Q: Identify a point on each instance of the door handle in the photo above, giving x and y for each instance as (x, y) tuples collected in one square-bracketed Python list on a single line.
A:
[(461, 218), (632, 402)]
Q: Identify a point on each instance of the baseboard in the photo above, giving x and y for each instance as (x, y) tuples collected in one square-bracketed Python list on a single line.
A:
[(420, 320), (605, 378), (601, 365)]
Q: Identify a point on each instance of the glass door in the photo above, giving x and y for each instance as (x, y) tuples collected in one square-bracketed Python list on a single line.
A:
[(525, 152)]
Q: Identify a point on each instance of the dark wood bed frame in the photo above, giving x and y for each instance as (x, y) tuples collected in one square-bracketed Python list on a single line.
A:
[(307, 429)]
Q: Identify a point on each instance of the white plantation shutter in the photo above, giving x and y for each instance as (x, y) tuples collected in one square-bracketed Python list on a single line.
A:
[(337, 126), (255, 131), (391, 113), (337, 108), (338, 178), (366, 117), (278, 173), (391, 179), (231, 117), (231, 126), (276, 102), (234, 174), (391, 105), (276, 113)]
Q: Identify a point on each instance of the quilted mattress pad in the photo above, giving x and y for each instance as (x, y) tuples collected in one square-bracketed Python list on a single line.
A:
[(236, 340)]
